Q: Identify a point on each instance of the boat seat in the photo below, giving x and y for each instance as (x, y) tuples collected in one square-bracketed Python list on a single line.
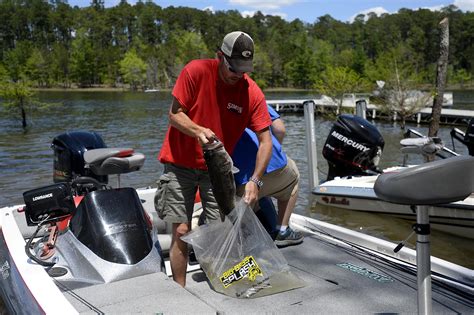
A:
[(424, 146), (109, 161), (438, 182)]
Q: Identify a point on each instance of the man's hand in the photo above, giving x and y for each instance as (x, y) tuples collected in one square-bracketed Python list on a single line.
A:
[(251, 193), (205, 136), (180, 120)]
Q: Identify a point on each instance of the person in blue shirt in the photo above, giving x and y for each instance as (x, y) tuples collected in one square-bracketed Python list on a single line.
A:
[(280, 180)]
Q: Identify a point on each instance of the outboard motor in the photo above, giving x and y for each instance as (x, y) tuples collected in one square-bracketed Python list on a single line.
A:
[(466, 138), (69, 151), (353, 147)]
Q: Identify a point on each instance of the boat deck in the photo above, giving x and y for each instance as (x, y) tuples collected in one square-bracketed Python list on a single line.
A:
[(339, 279)]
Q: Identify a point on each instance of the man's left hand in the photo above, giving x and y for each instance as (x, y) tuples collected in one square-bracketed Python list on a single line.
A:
[(251, 193)]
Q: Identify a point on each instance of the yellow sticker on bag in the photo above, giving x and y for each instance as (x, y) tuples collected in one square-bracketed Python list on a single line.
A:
[(248, 267)]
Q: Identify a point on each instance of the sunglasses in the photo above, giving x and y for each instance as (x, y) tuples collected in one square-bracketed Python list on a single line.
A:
[(228, 65)]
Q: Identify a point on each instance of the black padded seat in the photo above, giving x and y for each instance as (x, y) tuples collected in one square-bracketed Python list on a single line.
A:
[(109, 161), (438, 182)]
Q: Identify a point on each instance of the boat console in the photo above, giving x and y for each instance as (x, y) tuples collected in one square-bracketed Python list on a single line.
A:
[(432, 183), (98, 232)]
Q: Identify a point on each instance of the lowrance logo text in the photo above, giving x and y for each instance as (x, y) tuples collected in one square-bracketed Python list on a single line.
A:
[(40, 197)]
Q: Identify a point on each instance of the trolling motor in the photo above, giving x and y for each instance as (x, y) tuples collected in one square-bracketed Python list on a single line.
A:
[(353, 147), (466, 138)]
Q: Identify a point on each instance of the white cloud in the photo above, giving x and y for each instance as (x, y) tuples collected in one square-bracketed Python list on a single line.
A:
[(377, 10), (209, 8), (433, 8), (263, 4), (465, 5), (252, 13), (247, 13)]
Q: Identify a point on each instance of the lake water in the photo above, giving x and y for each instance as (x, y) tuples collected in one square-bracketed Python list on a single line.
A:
[(139, 120)]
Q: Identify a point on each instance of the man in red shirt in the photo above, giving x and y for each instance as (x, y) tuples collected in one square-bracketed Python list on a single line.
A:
[(212, 98)]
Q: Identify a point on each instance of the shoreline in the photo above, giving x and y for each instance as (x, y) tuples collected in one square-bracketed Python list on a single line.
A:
[(449, 88)]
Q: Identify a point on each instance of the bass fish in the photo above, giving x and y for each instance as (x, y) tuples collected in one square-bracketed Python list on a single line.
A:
[(221, 173)]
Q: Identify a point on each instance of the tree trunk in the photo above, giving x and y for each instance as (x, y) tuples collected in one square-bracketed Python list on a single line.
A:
[(23, 115), (440, 78)]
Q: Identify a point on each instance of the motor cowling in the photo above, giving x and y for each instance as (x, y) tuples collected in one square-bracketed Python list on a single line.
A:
[(353, 147), (69, 151)]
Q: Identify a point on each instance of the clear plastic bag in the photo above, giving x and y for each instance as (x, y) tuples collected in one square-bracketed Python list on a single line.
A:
[(240, 258)]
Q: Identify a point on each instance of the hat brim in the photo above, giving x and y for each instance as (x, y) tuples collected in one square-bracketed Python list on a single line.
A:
[(240, 64)]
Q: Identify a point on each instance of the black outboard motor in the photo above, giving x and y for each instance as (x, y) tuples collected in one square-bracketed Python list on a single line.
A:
[(112, 224), (69, 151), (465, 138), (353, 147)]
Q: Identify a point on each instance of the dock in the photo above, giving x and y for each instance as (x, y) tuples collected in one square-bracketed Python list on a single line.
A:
[(325, 104)]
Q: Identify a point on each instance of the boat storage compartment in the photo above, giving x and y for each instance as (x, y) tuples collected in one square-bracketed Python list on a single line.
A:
[(112, 224), (48, 203)]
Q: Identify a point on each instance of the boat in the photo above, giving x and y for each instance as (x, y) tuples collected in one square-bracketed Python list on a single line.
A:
[(353, 149), (413, 97), (81, 246)]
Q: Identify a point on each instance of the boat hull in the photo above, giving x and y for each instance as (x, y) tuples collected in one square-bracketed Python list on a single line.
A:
[(13, 285), (357, 194), (337, 264)]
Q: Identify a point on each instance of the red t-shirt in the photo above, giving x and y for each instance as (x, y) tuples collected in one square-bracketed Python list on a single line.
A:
[(225, 109)]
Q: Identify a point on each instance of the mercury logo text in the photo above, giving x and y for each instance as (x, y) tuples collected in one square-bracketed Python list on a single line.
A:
[(349, 142)]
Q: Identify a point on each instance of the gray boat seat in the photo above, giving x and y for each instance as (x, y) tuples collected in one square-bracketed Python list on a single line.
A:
[(438, 182), (108, 161), (424, 146)]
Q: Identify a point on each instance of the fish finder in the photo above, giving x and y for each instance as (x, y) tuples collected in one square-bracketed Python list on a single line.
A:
[(48, 204)]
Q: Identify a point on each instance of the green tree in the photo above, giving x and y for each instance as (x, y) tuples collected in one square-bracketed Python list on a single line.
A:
[(461, 77), (133, 70), (337, 81), (19, 99), (37, 68), (301, 68), (82, 59), (400, 95)]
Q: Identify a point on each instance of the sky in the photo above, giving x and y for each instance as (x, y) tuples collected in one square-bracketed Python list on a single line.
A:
[(305, 10)]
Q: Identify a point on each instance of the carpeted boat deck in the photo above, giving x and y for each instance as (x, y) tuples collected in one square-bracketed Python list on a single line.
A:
[(338, 278)]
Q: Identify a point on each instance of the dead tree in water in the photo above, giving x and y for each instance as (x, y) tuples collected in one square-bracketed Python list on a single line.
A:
[(440, 78)]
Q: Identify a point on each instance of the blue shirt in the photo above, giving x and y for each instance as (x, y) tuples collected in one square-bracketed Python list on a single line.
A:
[(245, 153)]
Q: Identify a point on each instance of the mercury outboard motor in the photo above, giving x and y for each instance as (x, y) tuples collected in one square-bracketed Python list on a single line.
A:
[(69, 151), (466, 138), (353, 147)]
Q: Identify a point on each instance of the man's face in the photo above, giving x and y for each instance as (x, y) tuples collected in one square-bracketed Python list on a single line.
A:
[(229, 75)]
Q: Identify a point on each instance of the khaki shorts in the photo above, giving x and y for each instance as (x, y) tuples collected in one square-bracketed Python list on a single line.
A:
[(176, 192), (280, 184)]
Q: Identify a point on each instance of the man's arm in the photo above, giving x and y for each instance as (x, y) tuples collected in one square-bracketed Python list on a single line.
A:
[(278, 129), (182, 122), (264, 154)]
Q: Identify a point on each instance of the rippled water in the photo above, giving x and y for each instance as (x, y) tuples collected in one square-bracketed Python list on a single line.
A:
[(139, 120)]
